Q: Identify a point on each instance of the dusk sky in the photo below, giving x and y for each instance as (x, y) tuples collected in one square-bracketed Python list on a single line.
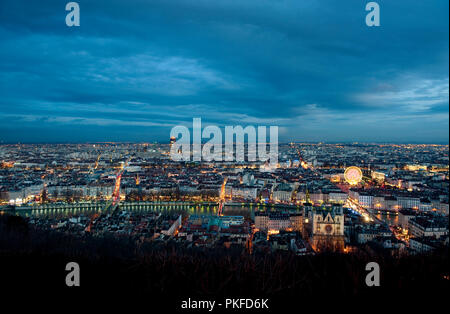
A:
[(136, 68)]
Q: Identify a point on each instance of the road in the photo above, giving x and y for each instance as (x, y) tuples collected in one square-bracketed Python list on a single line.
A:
[(368, 217)]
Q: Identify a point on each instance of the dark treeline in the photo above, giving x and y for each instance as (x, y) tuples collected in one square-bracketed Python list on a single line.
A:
[(31, 259)]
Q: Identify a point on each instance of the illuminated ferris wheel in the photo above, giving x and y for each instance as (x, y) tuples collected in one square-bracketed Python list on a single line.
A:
[(353, 175)]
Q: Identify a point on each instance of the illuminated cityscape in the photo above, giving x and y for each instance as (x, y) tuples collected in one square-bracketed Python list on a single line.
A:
[(396, 197), (275, 156)]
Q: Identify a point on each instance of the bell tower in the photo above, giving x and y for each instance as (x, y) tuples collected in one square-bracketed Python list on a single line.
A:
[(327, 229)]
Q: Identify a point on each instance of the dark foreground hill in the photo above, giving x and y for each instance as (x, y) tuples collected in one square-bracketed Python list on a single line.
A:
[(32, 264)]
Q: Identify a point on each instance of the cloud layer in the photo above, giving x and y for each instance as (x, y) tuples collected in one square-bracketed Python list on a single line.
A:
[(134, 69)]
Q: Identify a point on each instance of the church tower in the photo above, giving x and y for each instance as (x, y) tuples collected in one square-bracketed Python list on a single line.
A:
[(327, 229)]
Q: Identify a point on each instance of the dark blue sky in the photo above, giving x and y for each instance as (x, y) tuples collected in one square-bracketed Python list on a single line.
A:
[(134, 69)]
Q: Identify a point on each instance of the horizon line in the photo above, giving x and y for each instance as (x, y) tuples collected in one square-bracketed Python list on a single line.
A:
[(280, 143)]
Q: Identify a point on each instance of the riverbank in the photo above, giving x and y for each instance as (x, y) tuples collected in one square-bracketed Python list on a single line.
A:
[(131, 206)]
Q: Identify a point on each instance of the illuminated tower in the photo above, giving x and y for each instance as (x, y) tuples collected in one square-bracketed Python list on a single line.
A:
[(138, 181), (307, 197), (172, 141)]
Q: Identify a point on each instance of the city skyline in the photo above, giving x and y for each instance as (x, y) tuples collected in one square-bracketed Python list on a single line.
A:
[(134, 70), (215, 155), (166, 141)]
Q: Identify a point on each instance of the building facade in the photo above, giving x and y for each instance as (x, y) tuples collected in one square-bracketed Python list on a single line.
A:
[(327, 229)]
